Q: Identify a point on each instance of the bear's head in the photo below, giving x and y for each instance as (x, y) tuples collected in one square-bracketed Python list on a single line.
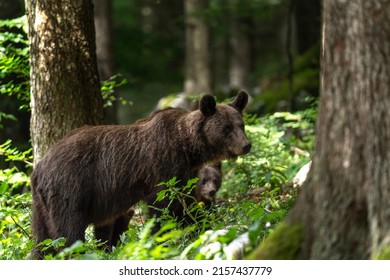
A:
[(210, 179), (223, 127)]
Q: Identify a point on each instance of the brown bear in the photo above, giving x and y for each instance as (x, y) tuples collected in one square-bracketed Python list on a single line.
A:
[(96, 173), (210, 180)]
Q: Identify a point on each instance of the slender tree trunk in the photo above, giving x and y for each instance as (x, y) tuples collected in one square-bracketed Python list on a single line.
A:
[(343, 208), (65, 89), (289, 53), (103, 27), (104, 48), (240, 58), (220, 65), (198, 68)]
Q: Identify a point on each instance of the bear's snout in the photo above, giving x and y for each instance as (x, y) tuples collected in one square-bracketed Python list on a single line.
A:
[(212, 193), (247, 147)]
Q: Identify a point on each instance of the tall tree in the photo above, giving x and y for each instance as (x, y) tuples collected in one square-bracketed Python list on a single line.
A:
[(65, 87), (198, 66), (240, 58), (104, 47), (103, 27), (342, 211)]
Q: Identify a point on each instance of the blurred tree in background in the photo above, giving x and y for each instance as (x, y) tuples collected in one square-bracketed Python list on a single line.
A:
[(248, 45), (105, 48), (198, 77)]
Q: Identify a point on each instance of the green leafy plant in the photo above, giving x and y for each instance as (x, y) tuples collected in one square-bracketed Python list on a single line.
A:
[(174, 191), (281, 145), (88, 250), (15, 205), (14, 60), (15, 68), (108, 90), (147, 246)]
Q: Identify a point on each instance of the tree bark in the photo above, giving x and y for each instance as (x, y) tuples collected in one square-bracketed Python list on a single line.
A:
[(198, 68), (343, 208), (65, 87)]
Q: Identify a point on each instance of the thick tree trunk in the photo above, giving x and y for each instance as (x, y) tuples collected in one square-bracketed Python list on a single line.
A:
[(65, 89), (343, 209), (198, 68)]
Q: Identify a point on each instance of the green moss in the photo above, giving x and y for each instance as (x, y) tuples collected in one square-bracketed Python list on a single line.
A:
[(306, 59), (282, 244), (383, 253), (307, 79)]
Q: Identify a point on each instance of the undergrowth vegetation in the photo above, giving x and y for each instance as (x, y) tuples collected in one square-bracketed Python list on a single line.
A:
[(255, 196)]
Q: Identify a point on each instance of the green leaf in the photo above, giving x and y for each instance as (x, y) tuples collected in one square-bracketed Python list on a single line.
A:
[(3, 187), (161, 195)]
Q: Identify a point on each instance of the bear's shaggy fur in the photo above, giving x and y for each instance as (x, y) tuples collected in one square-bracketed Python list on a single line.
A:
[(95, 174)]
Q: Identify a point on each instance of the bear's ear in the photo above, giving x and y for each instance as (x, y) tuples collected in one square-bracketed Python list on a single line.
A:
[(207, 105), (217, 165), (240, 101)]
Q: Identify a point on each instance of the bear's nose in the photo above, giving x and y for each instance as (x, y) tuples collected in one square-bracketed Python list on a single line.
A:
[(247, 148), (212, 193)]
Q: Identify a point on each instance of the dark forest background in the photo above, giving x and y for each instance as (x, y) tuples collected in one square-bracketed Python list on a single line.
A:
[(273, 45)]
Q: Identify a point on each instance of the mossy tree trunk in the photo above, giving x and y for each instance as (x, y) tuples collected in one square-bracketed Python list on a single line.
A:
[(65, 87), (343, 208)]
